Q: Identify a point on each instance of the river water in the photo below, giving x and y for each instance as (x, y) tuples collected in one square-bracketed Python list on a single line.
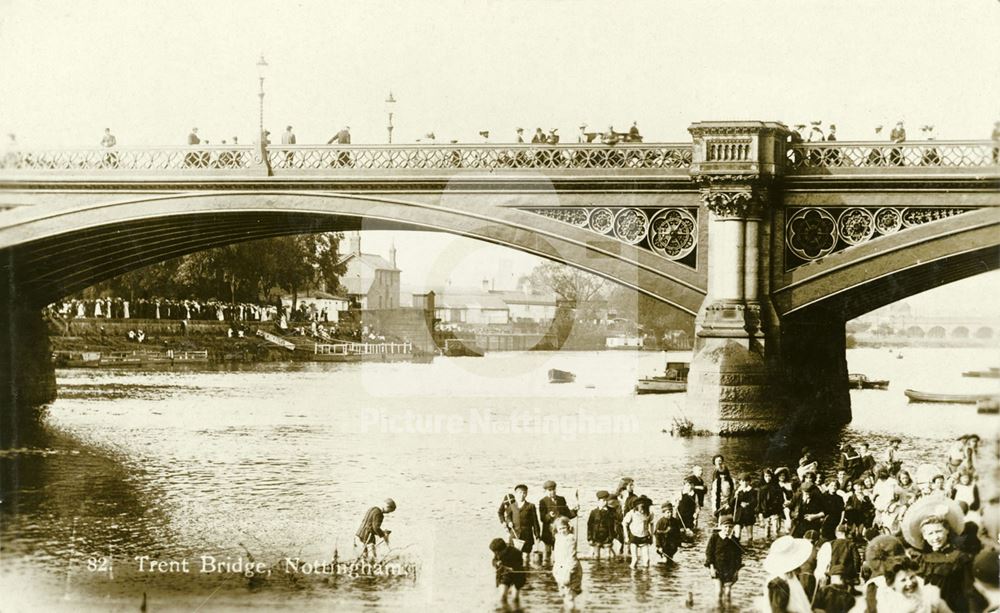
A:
[(277, 462)]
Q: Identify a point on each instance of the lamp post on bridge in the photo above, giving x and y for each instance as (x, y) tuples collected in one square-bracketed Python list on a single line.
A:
[(261, 73), (390, 104)]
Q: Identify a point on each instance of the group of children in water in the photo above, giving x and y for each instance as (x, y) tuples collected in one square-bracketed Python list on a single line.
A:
[(837, 516)]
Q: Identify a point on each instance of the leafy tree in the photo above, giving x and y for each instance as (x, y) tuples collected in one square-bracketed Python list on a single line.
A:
[(570, 284), (238, 272)]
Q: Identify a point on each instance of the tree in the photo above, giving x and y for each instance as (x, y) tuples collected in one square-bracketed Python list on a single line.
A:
[(570, 284), (655, 316), (240, 272)]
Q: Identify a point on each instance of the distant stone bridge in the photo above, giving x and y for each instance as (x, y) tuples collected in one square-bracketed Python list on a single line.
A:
[(771, 246)]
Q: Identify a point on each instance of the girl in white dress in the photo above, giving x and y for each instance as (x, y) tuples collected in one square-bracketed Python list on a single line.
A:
[(566, 567)]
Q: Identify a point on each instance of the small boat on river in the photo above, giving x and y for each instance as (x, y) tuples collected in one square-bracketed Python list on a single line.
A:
[(992, 373), (916, 396), (858, 381), (988, 407), (561, 376), (673, 380)]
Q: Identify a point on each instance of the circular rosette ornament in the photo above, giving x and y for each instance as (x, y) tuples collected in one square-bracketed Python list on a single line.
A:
[(888, 220), (602, 220), (673, 233), (856, 226), (631, 225), (811, 234)]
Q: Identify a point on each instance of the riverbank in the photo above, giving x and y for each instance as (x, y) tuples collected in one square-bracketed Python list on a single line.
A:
[(107, 336)]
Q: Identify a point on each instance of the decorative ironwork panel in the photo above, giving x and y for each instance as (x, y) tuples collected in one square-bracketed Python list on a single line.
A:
[(673, 233), (814, 233), (668, 232), (931, 154), (811, 234)]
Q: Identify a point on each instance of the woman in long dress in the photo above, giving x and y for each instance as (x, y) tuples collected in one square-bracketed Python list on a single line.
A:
[(566, 567)]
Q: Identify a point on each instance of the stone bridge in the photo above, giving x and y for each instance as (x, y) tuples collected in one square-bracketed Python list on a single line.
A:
[(770, 246)]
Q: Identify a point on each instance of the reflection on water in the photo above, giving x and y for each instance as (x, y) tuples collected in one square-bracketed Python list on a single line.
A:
[(280, 461)]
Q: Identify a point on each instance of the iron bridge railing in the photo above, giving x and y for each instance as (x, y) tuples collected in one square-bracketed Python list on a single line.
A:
[(803, 158), (807, 157), (359, 157)]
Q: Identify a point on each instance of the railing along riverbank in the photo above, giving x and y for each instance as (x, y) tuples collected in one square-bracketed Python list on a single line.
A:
[(363, 348)]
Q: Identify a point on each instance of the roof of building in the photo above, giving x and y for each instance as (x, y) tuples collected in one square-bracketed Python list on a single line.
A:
[(485, 302), (516, 297), (353, 284), (375, 261)]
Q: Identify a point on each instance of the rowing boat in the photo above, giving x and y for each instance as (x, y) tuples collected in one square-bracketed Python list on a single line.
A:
[(916, 396)]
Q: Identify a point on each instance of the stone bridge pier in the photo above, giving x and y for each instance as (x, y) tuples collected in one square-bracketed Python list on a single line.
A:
[(27, 376), (751, 370)]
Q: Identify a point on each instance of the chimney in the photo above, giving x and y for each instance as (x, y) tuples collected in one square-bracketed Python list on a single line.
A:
[(392, 254), (355, 243), (486, 286)]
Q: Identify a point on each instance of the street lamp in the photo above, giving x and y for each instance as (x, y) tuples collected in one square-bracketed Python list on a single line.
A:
[(261, 73), (390, 103)]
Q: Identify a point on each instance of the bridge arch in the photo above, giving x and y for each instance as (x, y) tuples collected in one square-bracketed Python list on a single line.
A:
[(882, 271), (55, 252)]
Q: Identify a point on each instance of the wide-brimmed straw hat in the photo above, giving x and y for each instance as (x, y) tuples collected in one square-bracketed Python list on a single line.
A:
[(927, 508), (786, 554)]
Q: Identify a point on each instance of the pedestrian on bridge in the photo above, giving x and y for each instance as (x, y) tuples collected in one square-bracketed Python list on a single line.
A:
[(109, 141), (343, 137), (288, 138)]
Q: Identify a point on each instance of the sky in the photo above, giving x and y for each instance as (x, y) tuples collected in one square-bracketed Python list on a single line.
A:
[(153, 70)]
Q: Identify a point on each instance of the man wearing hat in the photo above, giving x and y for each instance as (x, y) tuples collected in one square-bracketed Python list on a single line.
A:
[(601, 527), (371, 527), (808, 511), (928, 526), (724, 558), (892, 460), (669, 532), (549, 508), (522, 521)]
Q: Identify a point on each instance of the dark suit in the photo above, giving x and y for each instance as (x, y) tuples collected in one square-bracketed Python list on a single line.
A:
[(523, 523), (815, 504), (549, 508)]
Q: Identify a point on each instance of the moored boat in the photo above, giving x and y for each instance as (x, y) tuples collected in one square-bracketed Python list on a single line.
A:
[(992, 373), (916, 396), (673, 380), (988, 407), (561, 376), (860, 381)]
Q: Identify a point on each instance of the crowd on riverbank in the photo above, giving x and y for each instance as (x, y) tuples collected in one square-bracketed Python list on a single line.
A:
[(869, 534)]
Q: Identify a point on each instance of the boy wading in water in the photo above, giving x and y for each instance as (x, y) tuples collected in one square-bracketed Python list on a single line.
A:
[(601, 527), (522, 522), (724, 558), (371, 527), (510, 572)]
